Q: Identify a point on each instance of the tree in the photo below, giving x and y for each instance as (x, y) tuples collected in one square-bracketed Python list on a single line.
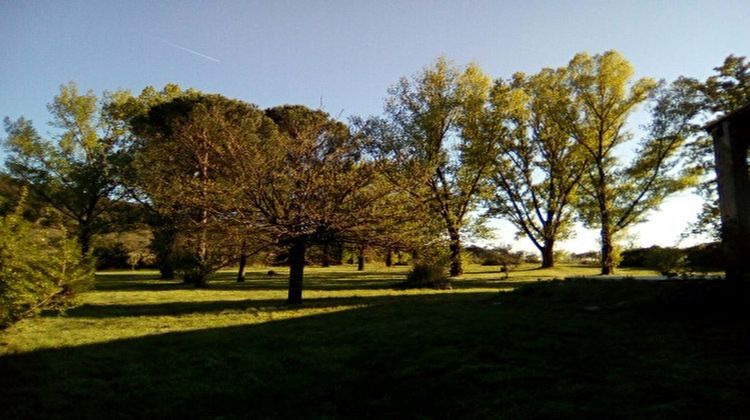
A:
[(39, 267), (181, 160), (302, 182), (684, 108), (616, 196), (124, 109), (78, 172), (433, 135), (539, 165)]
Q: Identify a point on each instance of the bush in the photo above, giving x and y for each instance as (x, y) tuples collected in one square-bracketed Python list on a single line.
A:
[(672, 261), (113, 255), (428, 276), (667, 261), (39, 268), (636, 257), (705, 257), (501, 256)]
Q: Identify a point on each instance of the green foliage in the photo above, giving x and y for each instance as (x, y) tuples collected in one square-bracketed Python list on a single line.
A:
[(697, 259), (539, 164), (614, 195), (78, 171), (425, 275), (635, 257), (684, 108), (114, 255), (705, 257), (667, 261), (128, 249), (131, 113), (437, 144), (39, 268), (483, 256), (503, 257), (297, 178), (182, 166)]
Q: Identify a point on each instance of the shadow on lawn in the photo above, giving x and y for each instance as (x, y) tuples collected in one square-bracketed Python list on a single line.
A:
[(320, 281), (248, 305), (539, 353)]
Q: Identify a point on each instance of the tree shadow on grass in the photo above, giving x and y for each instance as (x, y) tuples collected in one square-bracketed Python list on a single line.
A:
[(246, 305), (319, 281), (538, 354)]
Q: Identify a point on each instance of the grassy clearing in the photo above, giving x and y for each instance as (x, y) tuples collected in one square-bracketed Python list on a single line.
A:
[(361, 347)]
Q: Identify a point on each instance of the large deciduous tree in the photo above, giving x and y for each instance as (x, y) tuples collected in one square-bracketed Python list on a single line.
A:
[(304, 182), (538, 165), (434, 136), (77, 172), (684, 108), (615, 196)]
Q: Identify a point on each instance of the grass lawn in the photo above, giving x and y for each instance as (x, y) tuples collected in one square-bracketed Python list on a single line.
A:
[(362, 347)]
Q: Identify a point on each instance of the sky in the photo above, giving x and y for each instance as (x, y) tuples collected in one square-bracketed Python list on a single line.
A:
[(343, 55)]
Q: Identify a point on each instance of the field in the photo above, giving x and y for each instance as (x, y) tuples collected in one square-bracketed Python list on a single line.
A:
[(361, 346)]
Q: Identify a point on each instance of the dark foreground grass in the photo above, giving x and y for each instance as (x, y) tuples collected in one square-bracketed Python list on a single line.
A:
[(573, 349)]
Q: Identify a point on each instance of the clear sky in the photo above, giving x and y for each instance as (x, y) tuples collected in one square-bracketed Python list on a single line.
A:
[(345, 54)]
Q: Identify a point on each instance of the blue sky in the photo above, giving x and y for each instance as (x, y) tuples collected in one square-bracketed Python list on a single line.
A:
[(345, 54)]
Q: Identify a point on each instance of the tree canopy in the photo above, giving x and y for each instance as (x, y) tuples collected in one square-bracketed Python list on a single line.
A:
[(435, 138), (539, 164), (217, 179), (78, 171)]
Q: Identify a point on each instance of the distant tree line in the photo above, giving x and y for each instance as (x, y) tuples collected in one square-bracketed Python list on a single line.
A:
[(217, 181)]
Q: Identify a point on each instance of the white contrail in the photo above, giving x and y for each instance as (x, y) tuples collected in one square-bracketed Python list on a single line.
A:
[(180, 47)]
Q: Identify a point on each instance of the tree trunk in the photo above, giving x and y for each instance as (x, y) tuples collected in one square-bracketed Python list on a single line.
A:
[(389, 258), (296, 271), (608, 265), (202, 269), (198, 278), (162, 245), (84, 240), (455, 253), (166, 271), (326, 257), (548, 254), (241, 270), (201, 280), (607, 258), (360, 258)]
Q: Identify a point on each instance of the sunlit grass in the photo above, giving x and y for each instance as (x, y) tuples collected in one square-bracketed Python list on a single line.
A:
[(141, 347), (126, 304)]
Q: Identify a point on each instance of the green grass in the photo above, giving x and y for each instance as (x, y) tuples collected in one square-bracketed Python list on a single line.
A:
[(360, 346)]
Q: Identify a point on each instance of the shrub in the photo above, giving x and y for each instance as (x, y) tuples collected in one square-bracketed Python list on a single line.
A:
[(39, 268), (635, 257), (667, 261), (509, 261), (428, 276), (705, 257), (531, 258), (589, 258), (187, 266), (502, 256), (113, 255)]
